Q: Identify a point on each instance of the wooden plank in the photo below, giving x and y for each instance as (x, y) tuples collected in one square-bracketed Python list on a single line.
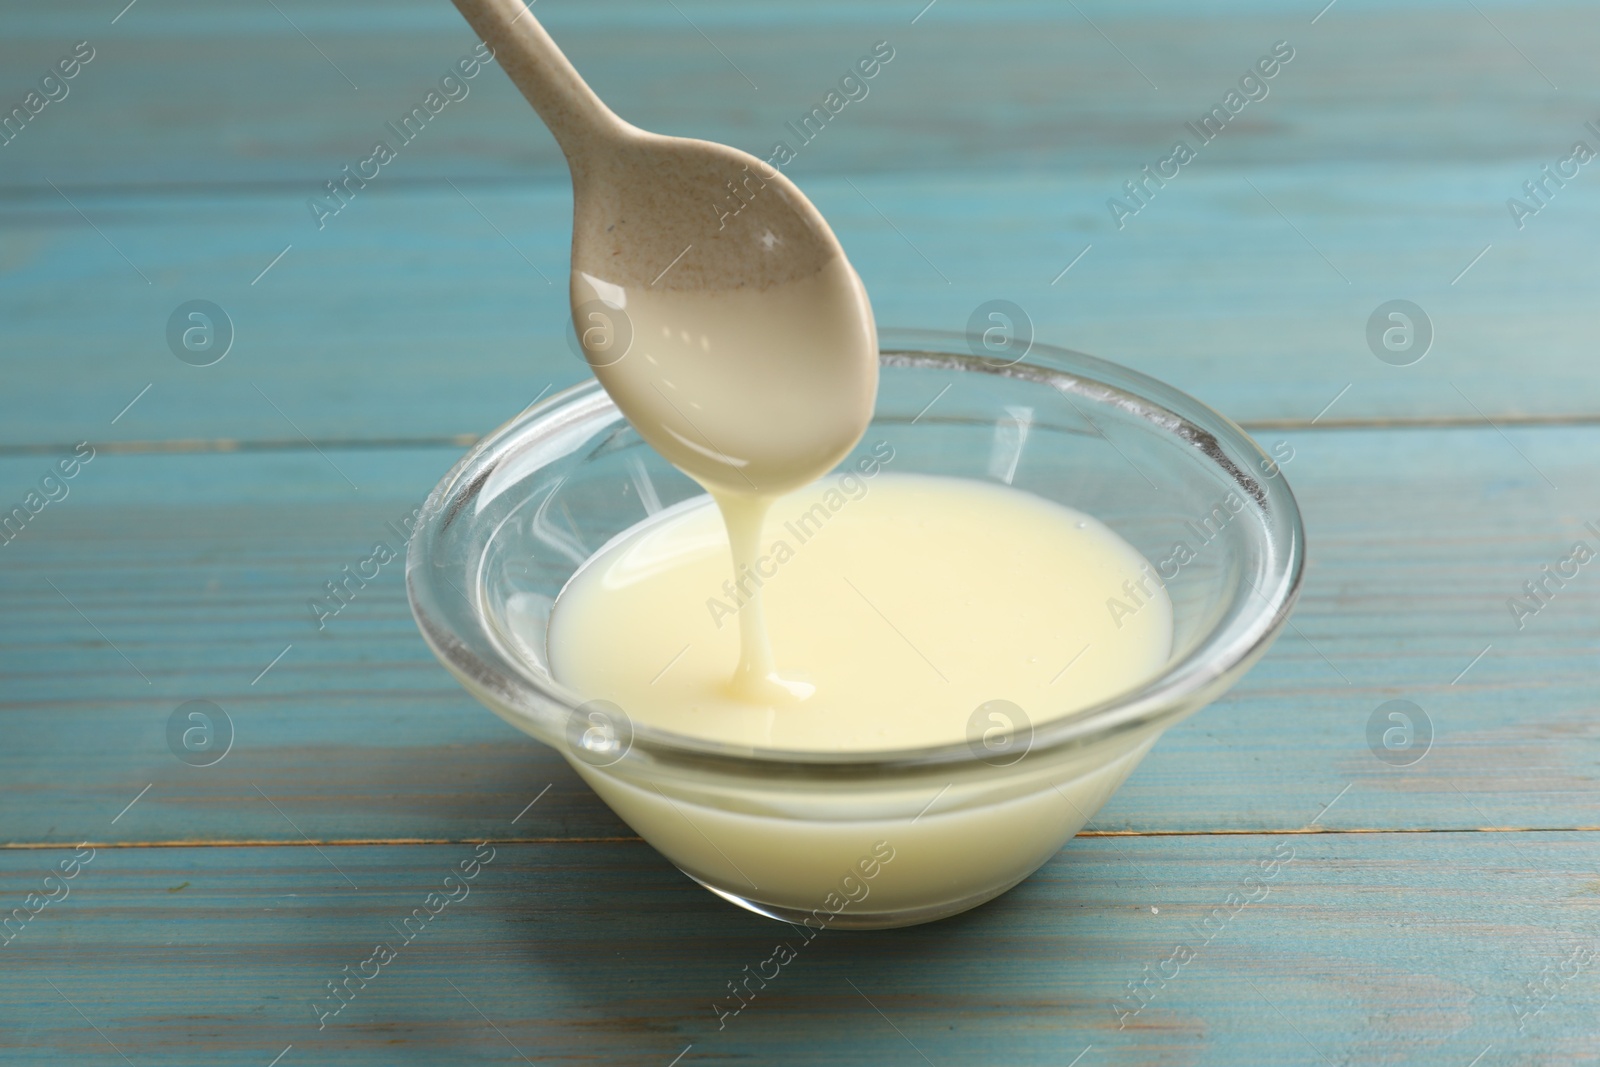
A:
[(197, 568), (1361, 949), (188, 93), (981, 164), (423, 315), (1365, 190), (193, 571)]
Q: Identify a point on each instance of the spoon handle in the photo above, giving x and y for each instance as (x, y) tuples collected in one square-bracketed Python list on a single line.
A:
[(578, 118)]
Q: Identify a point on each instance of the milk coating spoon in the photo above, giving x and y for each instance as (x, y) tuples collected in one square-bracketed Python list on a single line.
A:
[(712, 301)]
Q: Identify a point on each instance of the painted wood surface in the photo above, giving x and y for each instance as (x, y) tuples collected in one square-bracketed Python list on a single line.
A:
[(1426, 905), (192, 574), (1218, 295), (1406, 948), (191, 93), (1378, 167)]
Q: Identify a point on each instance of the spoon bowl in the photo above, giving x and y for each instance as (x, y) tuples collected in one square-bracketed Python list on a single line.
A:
[(710, 297)]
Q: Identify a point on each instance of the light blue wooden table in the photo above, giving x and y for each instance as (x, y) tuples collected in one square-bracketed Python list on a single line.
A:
[(1444, 912)]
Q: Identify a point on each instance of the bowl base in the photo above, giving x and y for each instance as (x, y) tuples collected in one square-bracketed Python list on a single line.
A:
[(860, 920)]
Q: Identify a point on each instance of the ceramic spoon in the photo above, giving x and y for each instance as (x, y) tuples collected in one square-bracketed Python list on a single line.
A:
[(712, 300)]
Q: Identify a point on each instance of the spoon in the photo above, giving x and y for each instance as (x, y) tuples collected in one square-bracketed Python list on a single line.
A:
[(711, 299), (713, 303)]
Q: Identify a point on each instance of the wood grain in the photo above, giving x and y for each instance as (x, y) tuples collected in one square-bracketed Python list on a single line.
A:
[(1212, 290), (1423, 902), (1363, 949), (1249, 280), (192, 94), (197, 568)]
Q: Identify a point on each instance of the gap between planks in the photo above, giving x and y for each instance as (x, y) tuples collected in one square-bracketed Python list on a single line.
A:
[(228, 444), (467, 440), (360, 842)]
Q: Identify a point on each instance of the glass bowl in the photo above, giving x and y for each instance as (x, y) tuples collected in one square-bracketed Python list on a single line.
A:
[(890, 838)]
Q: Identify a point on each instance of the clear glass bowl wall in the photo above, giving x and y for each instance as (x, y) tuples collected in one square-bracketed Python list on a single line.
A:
[(514, 520)]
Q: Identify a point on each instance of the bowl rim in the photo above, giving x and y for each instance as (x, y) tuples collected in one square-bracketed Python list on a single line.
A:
[(1183, 686)]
